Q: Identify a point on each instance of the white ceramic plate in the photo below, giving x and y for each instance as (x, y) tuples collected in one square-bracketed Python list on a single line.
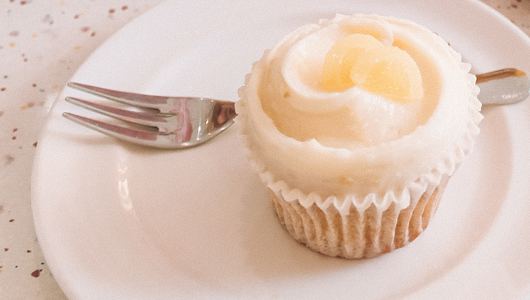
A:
[(119, 221)]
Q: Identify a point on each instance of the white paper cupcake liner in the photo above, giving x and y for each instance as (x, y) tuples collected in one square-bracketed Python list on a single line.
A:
[(357, 234)]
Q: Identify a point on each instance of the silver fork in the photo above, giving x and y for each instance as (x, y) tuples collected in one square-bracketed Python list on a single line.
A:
[(182, 122), (157, 121)]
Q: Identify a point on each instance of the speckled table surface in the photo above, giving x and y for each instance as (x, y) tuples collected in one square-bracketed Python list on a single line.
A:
[(41, 44)]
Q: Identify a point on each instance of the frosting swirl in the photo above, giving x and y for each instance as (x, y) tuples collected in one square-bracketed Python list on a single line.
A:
[(292, 95), (353, 140)]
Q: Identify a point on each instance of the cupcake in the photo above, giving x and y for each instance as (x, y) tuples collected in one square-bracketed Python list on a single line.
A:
[(355, 125)]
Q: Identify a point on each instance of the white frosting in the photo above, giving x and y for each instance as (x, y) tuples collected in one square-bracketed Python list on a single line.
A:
[(292, 97), (311, 145)]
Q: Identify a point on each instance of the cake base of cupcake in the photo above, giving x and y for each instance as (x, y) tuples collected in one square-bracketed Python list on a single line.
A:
[(358, 234)]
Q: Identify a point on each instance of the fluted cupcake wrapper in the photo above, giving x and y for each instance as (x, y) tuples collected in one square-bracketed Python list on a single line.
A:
[(357, 233)]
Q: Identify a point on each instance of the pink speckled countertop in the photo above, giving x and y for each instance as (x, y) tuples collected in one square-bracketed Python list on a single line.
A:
[(41, 44)]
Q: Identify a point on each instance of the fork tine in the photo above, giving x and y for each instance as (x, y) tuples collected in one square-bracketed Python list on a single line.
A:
[(164, 121), (139, 100), (137, 136)]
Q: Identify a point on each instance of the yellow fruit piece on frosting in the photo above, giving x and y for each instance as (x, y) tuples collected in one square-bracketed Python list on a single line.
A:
[(390, 72), (341, 58), (362, 60)]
